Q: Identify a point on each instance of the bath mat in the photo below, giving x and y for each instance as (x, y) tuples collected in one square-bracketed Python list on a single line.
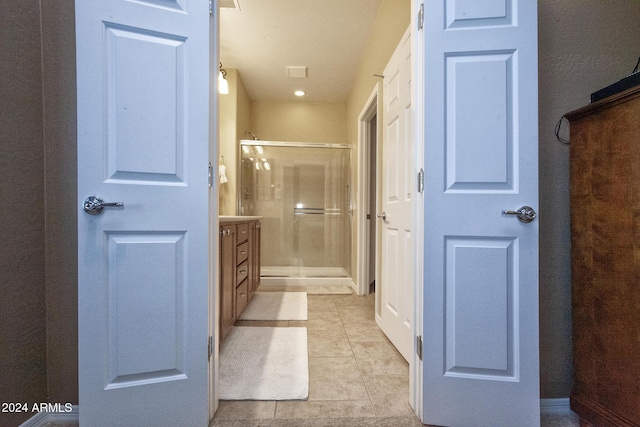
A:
[(276, 306), (264, 363)]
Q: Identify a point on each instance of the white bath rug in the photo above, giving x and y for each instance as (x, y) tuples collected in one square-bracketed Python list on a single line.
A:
[(264, 363), (276, 306)]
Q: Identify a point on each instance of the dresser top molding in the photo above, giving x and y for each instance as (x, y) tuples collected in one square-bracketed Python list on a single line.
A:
[(603, 104)]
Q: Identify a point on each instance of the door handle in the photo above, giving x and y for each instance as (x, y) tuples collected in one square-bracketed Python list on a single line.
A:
[(383, 215), (94, 205), (525, 214)]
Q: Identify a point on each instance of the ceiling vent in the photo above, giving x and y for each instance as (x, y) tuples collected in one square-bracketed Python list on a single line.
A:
[(299, 72)]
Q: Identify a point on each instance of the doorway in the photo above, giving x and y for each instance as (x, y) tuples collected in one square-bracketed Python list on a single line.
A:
[(367, 170), (365, 230), (301, 192), (373, 147)]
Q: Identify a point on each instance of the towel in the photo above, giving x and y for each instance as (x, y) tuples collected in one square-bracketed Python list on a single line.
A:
[(222, 172)]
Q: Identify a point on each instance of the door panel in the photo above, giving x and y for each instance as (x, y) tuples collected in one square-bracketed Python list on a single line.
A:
[(143, 268), (481, 266), (150, 265), (479, 272), (396, 281)]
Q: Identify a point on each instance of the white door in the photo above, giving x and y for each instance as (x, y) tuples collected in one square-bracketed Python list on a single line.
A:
[(143, 140), (395, 312), (481, 266)]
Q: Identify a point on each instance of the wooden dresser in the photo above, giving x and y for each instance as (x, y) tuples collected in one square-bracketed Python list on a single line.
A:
[(239, 267), (605, 260)]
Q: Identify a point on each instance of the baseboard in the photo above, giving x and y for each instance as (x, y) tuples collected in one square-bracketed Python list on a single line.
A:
[(555, 406), (41, 419)]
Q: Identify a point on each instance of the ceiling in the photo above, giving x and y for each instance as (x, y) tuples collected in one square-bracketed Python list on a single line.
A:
[(261, 38)]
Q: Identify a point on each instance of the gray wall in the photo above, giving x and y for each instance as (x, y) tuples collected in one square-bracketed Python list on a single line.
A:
[(22, 223), (584, 45), (59, 88), (38, 303)]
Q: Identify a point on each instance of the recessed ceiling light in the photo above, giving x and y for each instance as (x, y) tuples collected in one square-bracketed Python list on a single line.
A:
[(299, 93)]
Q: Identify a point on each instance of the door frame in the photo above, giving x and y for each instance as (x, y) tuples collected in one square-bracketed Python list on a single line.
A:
[(214, 210), (370, 110), (416, 386), (372, 107)]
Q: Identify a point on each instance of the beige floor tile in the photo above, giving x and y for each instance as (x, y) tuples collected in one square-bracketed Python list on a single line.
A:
[(389, 394), (246, 409), (379, 358), (328, 343), (356, 332), (329, 290), (356, 314), (319, 320), (357, 300), (321, 303), (324, 409), (361, 322), (335, 378)]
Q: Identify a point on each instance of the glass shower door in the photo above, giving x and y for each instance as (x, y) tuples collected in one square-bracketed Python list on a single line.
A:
[(302, 192)]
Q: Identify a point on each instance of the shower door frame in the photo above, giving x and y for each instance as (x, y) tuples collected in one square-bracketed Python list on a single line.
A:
[(307, 280)]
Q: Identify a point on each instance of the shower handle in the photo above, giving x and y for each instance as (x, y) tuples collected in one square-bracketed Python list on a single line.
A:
[(383, 215)]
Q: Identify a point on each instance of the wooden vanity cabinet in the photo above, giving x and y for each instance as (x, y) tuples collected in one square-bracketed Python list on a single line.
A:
[(239, 268), (227, 277), (605, 260)]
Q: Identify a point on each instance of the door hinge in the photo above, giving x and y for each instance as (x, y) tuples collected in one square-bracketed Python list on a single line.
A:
[(421, 181), (210, 350), (210, 175), (419, 346), (210, 7), (421, 17)]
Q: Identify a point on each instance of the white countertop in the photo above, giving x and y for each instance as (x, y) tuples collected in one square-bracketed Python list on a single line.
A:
[(238, 218)]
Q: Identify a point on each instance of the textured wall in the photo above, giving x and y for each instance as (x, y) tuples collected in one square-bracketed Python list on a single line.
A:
[(584, 45), (22, 266), (58, 29)]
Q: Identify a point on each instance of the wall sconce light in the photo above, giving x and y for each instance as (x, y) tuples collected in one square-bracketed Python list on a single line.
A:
[(223, 84)]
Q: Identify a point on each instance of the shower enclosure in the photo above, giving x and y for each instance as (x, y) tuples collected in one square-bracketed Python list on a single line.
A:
[(301, 191)]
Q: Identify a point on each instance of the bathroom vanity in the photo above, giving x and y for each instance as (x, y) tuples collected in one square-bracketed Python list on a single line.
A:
[(239, 266)]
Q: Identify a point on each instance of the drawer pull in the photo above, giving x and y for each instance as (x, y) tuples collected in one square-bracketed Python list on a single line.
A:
[(243, 294), (243, 252), (243, 271)]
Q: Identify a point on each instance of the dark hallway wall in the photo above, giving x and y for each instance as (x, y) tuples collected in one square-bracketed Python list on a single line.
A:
[(22, 266), (38, 280)]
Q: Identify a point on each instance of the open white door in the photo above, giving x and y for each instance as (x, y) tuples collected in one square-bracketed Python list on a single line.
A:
[(481, 265), (143, 140), (396, 284)]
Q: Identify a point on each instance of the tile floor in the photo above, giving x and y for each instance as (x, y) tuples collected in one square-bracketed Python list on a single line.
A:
[(354, 370)]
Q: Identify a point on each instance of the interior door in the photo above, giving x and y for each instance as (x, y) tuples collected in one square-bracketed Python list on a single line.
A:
[(396, 285), (481, 363), (143, 141)]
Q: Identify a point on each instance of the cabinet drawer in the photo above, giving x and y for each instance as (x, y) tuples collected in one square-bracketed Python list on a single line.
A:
[(242, 252), (242, 298), (243, 232), (242, 271)]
